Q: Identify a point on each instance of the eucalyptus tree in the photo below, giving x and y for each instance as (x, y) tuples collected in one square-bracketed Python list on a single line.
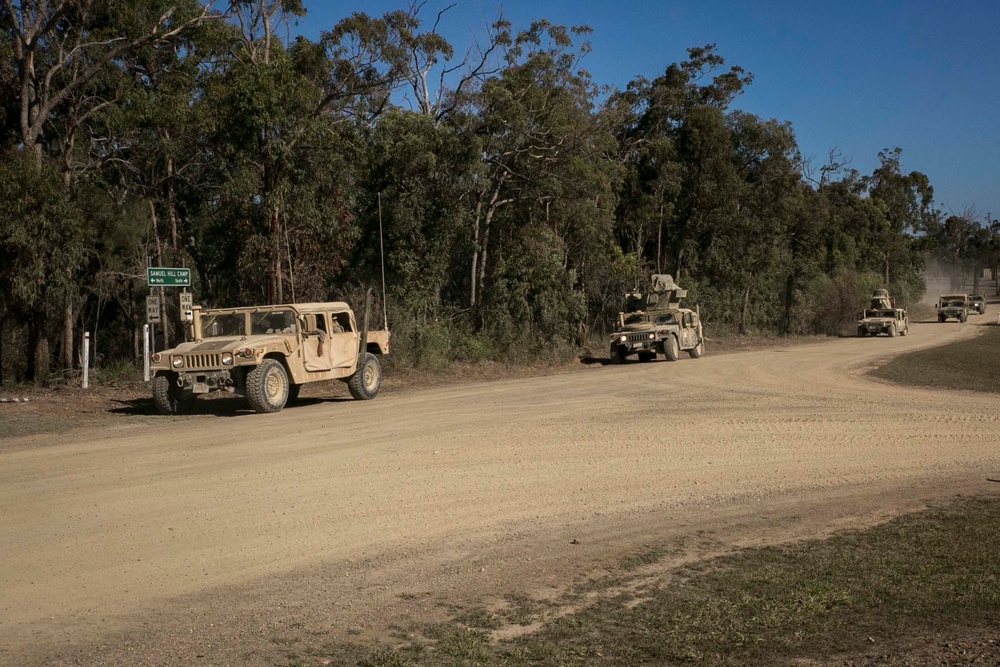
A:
[(60, 50), (662, 145)]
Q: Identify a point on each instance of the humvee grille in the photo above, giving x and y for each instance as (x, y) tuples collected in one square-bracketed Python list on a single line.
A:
[(197, 361), (637, 337)]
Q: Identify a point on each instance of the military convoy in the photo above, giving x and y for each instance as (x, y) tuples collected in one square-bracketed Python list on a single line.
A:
[(654, 323), (882, 317), (953, 307), (267, 353)]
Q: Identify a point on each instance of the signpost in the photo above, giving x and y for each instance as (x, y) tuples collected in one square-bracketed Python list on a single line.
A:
[(153, 309), (186, 306), (164, 276)]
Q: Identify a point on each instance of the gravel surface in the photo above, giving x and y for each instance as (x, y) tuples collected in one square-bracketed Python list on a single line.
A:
[(221, 535)]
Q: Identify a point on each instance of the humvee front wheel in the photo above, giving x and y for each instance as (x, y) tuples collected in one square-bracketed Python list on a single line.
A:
[(962, 318), (697, 350), (671, 348), (892, 331), (267, 386), (617, 354), (365, 382), (168, 397)]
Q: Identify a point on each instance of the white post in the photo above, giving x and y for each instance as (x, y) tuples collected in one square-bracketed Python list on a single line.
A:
[(145, 353), (86, 359)]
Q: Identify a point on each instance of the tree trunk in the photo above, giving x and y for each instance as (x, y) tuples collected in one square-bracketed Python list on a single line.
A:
[(40, 335), (743, 310), (67, 343), (475, 257), (171, 204)]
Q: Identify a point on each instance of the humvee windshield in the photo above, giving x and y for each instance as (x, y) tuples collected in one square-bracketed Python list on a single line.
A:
[(272, 321), (665, 318), (958, 304), (230, 324)]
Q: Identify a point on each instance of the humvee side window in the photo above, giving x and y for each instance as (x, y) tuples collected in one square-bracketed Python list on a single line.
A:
[(321, 322), (665, 318), (343, 320)]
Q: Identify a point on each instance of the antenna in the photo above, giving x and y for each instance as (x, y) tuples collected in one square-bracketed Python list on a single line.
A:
[(381, 245)]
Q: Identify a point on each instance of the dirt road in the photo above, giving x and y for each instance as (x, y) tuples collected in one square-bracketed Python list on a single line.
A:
[(159, 540)]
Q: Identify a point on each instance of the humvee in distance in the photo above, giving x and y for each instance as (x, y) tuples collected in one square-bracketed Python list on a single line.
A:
[(654, 323)]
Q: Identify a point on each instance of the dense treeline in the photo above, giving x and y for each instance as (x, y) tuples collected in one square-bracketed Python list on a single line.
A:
[(517, 199)]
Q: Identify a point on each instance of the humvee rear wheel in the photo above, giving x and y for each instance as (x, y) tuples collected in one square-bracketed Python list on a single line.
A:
[(365, 382), (647, 356), (697, 350), (671, 348), (267, 386), (168, 397)]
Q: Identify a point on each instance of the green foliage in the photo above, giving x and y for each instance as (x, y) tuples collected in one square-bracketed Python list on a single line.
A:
[(42, 234), (517, 203)]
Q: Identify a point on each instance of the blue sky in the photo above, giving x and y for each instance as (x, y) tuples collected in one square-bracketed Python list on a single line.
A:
[(853, 76)]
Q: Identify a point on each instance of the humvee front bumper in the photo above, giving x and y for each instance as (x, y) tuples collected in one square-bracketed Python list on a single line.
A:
[(203, 382)]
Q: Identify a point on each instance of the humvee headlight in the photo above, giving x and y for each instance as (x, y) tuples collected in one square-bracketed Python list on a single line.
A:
[(177, 361), (245, 352), (156, 358), (623, 338), (227, 358), (652, 336)]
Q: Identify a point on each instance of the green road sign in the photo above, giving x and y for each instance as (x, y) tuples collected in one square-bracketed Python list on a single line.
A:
[(162, 276)]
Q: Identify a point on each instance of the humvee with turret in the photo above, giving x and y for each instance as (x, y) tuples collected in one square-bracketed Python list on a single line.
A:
[(883, 317), (654, 323), (953, 306), (267, 353)]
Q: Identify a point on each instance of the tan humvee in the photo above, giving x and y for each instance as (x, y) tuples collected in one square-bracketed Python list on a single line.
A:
[(883, 317), (953, 306), (654, 323), (267, 353)]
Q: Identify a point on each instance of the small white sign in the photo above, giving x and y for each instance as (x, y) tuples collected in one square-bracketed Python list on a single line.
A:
[(152, 309), (187, 307)]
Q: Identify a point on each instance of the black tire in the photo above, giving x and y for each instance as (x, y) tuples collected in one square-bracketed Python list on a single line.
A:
[(617, 354), (941, 318), (697, 350), (168, 397), (963, 318), (365, 382), (267, 386), (239, 377), (905, 330), (892, 331), (671, 348), (862, 332), (647, 356), (293, 393)]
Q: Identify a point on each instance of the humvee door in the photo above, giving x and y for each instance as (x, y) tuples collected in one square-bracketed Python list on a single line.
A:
[(316, 343)]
